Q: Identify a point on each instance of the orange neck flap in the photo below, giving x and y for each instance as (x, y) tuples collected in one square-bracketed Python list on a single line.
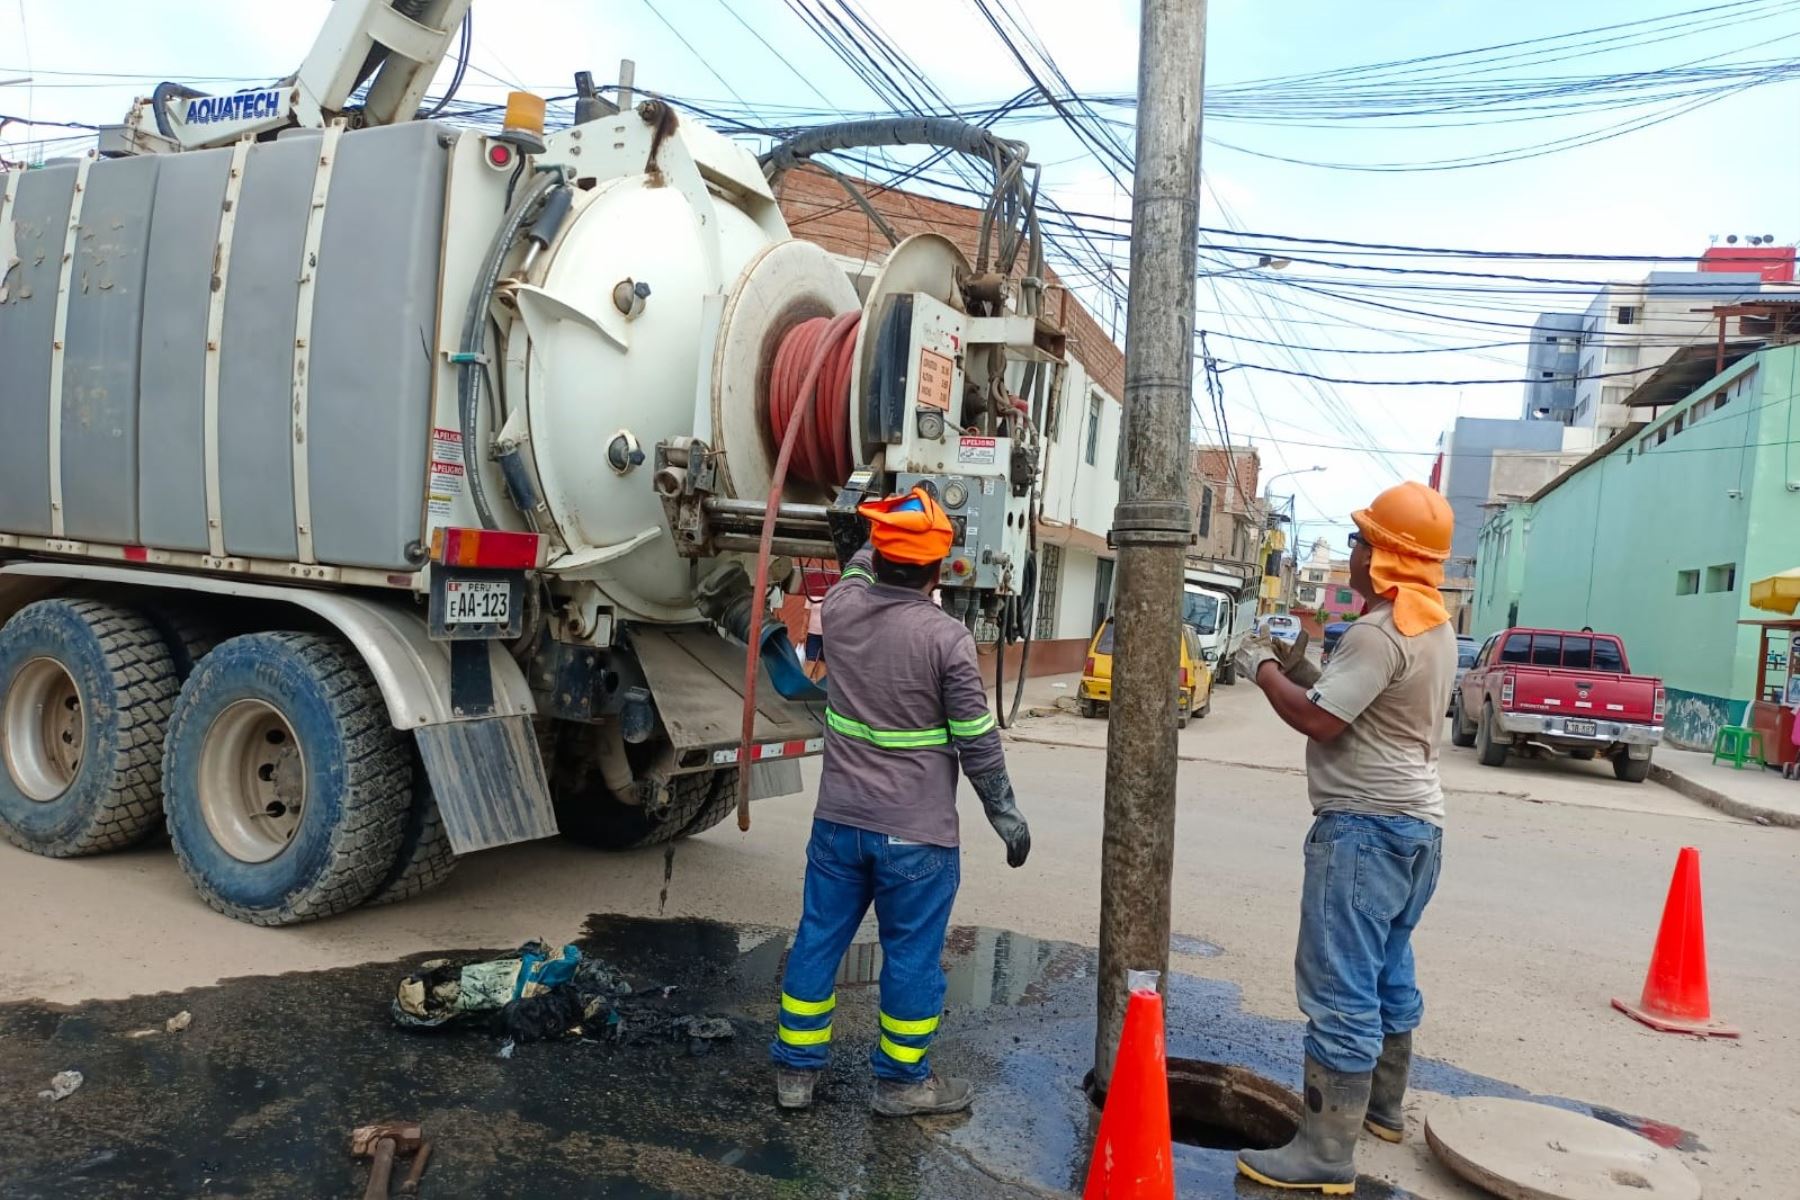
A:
[(1412, 585)]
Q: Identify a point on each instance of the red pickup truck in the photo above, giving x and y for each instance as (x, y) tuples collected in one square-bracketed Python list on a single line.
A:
[(1550, 690)]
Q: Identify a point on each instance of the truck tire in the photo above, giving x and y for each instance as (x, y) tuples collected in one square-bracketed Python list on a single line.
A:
[(189, 634), (595, 817), (425, 858), (1491, 753), (1629, 769), (1228, 671), (86, 688), (287, 789), (1460, 733)]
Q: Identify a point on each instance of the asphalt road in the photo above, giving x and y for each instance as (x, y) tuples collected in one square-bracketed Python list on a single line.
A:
[(1553, 883)]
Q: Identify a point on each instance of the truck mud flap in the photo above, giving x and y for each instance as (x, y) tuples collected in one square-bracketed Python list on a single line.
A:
[(696, 678), (489, 782)]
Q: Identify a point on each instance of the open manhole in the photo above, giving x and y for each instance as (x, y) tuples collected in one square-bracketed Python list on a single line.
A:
[(1217, 1106)]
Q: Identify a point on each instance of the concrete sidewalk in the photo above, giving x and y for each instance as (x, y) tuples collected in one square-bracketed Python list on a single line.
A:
[(1753, 793)]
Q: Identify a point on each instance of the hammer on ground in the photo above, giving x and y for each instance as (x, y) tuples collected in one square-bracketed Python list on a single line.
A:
[(381, 1142)]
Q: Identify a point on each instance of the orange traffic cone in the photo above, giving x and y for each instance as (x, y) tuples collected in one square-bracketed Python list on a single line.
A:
[(1675, 998), (1133, 1157)]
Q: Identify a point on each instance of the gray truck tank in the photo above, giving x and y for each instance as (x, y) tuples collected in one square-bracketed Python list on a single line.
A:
[(131, 409)]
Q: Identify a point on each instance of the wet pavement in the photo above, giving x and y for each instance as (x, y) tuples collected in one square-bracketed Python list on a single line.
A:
[(257, 1097)]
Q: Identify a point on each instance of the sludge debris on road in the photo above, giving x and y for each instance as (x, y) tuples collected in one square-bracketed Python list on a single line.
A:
[(257, 1099)]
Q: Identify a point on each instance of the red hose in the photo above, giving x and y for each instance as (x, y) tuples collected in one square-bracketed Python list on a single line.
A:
[(813, 357), (822, 454)]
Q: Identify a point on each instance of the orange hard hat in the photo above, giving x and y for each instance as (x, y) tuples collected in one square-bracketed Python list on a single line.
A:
[(1409, 518), (911, 528)]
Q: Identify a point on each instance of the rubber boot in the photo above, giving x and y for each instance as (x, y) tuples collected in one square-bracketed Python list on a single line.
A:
[(794, 1089), (1322, 1156), (1388, 1088), (931, 1096)]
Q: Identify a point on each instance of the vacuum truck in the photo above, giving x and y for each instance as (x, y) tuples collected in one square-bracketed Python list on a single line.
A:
[(376, 490)]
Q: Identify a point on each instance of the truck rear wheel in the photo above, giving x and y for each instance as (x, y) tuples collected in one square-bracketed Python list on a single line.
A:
[(425, 858), (1629, 769), (85, 693), (588, 813), (1488, 749), (1460, 732), (287, 789), (189, 633)]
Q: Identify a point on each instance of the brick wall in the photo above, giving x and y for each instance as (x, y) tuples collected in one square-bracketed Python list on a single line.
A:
[(1235, 500)]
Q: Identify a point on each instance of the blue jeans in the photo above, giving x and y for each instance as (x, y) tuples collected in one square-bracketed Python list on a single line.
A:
[(912, 887), (1368, 880)]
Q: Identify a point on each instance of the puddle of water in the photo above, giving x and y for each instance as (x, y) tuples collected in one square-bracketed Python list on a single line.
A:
[(257, 1097)]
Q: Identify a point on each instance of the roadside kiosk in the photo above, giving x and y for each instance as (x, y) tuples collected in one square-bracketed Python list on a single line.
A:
[(1777, 668)]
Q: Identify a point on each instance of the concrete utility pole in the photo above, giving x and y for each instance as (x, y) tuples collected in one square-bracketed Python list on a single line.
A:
[(1152, 526)]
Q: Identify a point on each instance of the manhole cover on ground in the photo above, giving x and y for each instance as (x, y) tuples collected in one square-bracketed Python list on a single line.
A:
[(1217, 1106), (1523, 1151)]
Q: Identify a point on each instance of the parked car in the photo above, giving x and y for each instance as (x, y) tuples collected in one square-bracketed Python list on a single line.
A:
[(1095, 692), (1554, 691), (1279, 626), (1333, 633), (1466, 650)]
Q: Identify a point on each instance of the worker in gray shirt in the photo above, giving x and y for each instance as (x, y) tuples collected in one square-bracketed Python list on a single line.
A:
[(1372, 719), (905, 706)]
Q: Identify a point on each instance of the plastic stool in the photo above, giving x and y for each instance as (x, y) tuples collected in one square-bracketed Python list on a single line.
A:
[(1733, 744)]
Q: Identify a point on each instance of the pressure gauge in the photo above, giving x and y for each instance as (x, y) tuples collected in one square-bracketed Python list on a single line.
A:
[(955, 494)]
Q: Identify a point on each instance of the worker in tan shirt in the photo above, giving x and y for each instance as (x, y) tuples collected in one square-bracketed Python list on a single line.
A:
[(1372, 719)]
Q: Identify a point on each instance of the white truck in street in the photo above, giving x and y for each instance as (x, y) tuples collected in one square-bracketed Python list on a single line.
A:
[(1219, 604), (375, 489)]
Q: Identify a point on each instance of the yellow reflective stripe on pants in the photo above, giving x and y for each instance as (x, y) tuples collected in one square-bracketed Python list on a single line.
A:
[(808, 1008), (901, 1054), (910, 1028), (805, 1037)]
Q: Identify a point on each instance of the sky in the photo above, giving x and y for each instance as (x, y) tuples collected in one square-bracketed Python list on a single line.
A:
[(1667, 189)]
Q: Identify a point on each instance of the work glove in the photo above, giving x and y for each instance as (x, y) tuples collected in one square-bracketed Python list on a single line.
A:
[(996, 793), (1255, 650), (1294, 663)]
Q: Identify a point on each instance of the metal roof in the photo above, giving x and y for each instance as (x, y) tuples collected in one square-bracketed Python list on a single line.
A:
[(1687, 369)]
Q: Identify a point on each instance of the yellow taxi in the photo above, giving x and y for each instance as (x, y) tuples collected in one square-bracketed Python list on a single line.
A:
[(1095, 691)]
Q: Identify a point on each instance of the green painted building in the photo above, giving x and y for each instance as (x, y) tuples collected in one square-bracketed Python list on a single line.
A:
[(1657, 535)]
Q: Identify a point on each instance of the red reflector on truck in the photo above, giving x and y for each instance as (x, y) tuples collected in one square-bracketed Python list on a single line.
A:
[(137, 554), (769, 750), (495, 549)]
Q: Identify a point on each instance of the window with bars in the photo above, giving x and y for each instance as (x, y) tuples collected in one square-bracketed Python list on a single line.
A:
[(1049, 582)]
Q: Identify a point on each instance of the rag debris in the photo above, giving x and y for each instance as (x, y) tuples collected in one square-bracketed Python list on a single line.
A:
[(540, 995), (62, 1084)]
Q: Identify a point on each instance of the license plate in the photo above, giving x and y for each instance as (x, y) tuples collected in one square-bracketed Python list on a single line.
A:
[(1585, 728), (477, 602)]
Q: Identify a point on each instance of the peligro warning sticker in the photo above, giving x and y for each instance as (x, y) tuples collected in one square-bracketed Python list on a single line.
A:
[(976, 450), (446, 482)]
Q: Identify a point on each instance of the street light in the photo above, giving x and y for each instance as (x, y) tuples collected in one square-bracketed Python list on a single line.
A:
[(1263, 262), (1268, 501)]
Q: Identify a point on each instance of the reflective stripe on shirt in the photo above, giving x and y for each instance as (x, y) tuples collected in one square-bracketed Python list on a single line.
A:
[(974, 727), (887, 739)]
